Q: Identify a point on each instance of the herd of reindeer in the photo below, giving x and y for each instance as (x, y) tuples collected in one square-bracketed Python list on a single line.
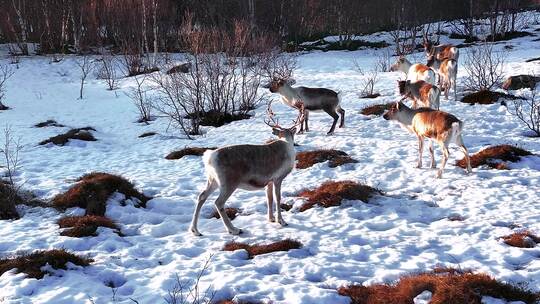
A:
[(253, 167)]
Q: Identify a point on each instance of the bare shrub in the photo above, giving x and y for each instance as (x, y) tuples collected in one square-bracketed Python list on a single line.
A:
[(189, 291), (383, 61), (278, 65), (5, 73), (86, 65), (9, 191), (527, 111), (140, 99), (107, 70), (484, 68), (368, 81)]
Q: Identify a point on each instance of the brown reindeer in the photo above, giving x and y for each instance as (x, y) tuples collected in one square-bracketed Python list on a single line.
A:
[(420, 92), (441, 51), (447, 71), (441, 127)]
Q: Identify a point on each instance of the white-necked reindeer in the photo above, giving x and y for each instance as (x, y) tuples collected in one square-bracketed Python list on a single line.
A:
[(426, 94), (249, 167), (441, 51), (414, 72), (441, 127), (312, 99), (447, 70)]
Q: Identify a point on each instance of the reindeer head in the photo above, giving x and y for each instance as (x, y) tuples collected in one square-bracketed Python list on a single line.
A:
[(392, 113), (277, 83), (395, 67), (286, 133)]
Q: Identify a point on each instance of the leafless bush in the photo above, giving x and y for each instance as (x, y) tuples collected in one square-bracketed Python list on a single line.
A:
[(140, 99), (107, 71), (5, 73), (484, 68), (369, 79), (383, 61), (9, 191), (278, 65), (188, 292), (85, 64), (527, 111), (222, 84), (404, 38)]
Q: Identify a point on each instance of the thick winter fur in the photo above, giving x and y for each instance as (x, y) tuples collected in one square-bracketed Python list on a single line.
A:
[(447, 70), (442, 51), (414, 72), (313, 99), (441, 127), (420, 92), (248, 167)]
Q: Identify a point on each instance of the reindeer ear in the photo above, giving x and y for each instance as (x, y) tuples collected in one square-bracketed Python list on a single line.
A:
[(275, 131)]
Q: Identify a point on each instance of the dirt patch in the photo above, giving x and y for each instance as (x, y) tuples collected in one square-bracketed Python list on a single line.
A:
[(49, 123), (522, 239), (141, 72), (92, 191), (508, 36), (495, 157), (486, 97), (9, 198), (79, 133), (217, 119), (231, 213), (87, 225), (368, 96), (31, 264), (335, 158), (467, 38), (258, 249), (195, 151), (533, 59), (181, 68), (331, 194), (447, 285), (4, 107), (377, 109), (147, 134)]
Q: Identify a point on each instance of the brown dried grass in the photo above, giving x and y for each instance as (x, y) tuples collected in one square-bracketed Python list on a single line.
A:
[(196, 151), (335, 158), (258, 249), (48, 123), (377, 109), (522, 239), (486, 97), (79, 133), (147, 134), (31, 264), (231, 213), (92, 191), (495, 156), (447, 285), (331, 193), (86, 225)]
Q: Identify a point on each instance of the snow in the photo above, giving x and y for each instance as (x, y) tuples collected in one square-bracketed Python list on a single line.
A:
[(407, 230)]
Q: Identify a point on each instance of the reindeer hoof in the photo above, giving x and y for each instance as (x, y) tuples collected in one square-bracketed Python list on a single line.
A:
[(236, 231), (272, 220), (283, 223), (439, 174), (419, 166), (195, 232)]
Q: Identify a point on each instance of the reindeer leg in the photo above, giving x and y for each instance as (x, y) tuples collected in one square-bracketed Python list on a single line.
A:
[(432, 165), (342, 112), (306, 118), (335, 116), (446, 153), (420, 151), (224, 194), (277, 194), (459, 142), (270, 201), (211, 186)]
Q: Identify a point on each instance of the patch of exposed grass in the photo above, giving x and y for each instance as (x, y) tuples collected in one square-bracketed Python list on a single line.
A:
[(147, 134), (231, 213), (331, 194), (522, 239), (195, 151), (377, 109), (49, 123), (486, 97), (495, 157), (334, 157), (31, 264), (447, 285), (81, 226), (258, 249), (79, 133), (92, 191)]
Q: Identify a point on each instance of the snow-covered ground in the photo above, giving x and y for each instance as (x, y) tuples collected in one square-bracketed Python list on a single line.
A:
[(405, 231)]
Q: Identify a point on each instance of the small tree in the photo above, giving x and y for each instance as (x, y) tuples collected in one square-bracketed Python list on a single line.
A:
[(369, 79), (86, 65), (107, 71), (5, 73), (484, 68), (140, 99), (9, 153), (527, 111)]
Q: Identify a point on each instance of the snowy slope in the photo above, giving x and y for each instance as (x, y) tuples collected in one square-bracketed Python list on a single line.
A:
[(407, 230)]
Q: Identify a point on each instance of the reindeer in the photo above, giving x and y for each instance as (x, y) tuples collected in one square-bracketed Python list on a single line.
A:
[(249, 167), (420, 92), (414, 72), (441, 127), (441, 51), (447, 70), (312, 99)]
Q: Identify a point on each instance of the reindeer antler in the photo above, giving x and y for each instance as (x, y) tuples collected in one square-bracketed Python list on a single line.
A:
[(270, 120)]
